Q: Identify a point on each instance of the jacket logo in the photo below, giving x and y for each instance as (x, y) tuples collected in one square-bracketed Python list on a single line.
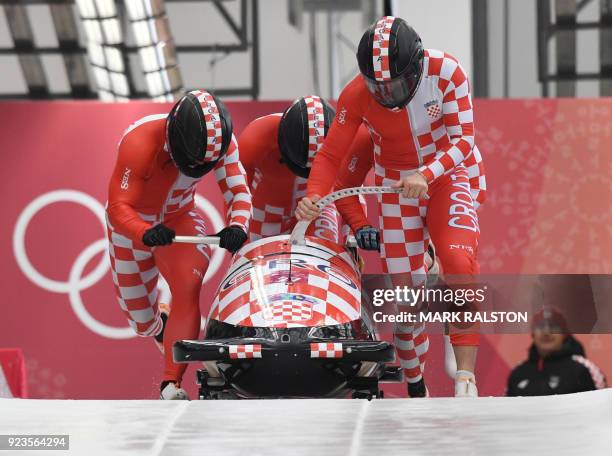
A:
[(125, 180), (433, 109), (342, 116), (353, 164)]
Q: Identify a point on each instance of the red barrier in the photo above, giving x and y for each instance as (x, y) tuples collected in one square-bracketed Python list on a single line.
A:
[(548, 170), (13, 377)]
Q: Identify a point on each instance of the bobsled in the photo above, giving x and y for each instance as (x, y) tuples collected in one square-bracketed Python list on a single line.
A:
[(287, 321)]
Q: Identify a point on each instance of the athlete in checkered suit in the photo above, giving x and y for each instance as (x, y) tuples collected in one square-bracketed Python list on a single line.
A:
[(161, 159), (448, 256), (277, 151), (417, 106)]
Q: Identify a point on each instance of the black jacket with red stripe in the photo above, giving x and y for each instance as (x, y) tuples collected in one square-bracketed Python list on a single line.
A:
[(563, 372)]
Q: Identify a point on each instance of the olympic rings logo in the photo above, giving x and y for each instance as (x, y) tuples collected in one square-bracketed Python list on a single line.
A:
[(76, 283)]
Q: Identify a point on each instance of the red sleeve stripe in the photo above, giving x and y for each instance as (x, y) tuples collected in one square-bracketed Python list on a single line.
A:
[(598, 377)]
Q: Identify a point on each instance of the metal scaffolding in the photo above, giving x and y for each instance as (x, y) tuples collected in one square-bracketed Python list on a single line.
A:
[(109, 71), (563, 30), (337, 41), (23, 40)]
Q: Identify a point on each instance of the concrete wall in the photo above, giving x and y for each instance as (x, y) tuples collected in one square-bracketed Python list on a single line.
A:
[(445, 25)]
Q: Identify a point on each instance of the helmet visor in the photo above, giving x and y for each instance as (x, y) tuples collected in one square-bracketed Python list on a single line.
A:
[(397, 92)]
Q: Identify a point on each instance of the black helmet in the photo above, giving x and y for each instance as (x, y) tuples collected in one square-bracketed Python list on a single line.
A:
[(199, 132), (301, 132), (390, 57)]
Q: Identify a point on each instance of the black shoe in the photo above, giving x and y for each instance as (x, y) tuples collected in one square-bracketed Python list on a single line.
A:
[(160, 337), (417, 389)]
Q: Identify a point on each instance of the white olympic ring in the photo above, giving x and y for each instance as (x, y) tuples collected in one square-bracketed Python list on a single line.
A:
[(57, 196), (76, 283), (100, 246)]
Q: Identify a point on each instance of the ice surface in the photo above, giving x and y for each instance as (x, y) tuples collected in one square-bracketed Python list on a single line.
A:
[(557, 425)]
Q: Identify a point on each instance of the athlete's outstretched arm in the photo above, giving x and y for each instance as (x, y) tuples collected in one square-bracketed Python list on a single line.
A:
[(232, 181), (336, 145), (126, 186), (458, 117), (353, 172)]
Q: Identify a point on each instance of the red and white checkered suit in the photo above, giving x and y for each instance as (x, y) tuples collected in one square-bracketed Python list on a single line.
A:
[(146, 188), (434, 134), (275, 189), (136, 269)]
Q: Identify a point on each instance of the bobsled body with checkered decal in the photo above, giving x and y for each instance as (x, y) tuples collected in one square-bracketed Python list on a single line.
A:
[(287, 321)]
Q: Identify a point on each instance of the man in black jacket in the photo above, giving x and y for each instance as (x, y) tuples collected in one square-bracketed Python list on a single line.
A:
[(556, 363)]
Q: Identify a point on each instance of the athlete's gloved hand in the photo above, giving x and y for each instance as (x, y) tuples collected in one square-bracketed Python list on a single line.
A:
[(158, 235), (231, 238), (368, 238)]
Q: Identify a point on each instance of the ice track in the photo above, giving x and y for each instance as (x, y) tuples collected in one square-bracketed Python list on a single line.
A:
[(558, 425)]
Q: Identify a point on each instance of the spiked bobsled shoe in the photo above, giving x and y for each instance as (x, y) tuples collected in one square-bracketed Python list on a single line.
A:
[(164, 310), (170, 392), (417, 389), (465, 384)]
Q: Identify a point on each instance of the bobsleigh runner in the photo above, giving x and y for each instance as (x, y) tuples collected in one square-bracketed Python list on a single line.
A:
[(287, 321)]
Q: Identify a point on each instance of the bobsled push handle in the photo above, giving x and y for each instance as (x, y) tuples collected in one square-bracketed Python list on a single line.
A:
[(208, 240), (297, 236)]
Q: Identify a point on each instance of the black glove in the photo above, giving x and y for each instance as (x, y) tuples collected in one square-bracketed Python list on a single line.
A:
[(368, 238), (158, 235), (231, 238)]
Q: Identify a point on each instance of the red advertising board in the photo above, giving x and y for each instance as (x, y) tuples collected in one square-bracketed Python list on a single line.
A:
[(549, 173)]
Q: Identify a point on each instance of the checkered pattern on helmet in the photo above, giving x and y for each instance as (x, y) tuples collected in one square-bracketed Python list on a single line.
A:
[(380, 49), (316, 126), (212, 119), (326, 350)]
